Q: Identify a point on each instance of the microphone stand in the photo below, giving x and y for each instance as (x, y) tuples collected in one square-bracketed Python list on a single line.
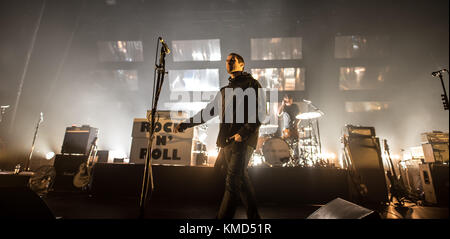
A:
[(443, 96), (148, 174), (317, 124), (27, 166), (2, 112)]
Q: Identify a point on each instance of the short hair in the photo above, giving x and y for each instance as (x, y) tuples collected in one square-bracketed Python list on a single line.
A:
[(288, 96), (238, 57)]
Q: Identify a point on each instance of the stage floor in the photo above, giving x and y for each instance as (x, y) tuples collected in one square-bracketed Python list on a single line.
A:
[(82, 206)]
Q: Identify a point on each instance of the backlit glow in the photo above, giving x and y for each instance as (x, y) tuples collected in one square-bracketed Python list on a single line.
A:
[(49, 155)]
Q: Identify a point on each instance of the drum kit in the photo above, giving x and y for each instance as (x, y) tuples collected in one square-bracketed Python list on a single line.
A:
[(199, 151), (299, 146)]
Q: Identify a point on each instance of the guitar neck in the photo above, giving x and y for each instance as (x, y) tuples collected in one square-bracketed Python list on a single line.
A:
[(386, 148), (92, 155)]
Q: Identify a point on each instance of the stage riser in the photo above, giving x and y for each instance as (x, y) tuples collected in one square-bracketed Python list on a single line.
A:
[(189, 184), (299, 185), (14, 181)]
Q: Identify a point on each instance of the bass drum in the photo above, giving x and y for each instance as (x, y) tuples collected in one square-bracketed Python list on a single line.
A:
[(276, 151)]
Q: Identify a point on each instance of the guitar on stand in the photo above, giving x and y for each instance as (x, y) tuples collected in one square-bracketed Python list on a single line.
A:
[(83, 177)]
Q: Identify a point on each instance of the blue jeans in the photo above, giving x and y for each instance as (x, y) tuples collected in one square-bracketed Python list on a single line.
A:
[(233, 160)]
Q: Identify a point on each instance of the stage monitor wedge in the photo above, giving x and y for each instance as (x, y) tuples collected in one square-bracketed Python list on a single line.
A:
[(22, 203), (341, 209)]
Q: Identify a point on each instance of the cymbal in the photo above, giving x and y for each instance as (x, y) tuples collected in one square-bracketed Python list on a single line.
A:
[(306, 128), (309, 115)]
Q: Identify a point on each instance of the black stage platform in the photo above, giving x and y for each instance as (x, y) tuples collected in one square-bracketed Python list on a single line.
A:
[(193, 184), (183, 192)]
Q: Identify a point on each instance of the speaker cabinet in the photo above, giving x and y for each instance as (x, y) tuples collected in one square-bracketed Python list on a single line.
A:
[(22, 203), (102, 156), (435, 183), (66, 166), (341, 209), (365, 155), (437, 152)]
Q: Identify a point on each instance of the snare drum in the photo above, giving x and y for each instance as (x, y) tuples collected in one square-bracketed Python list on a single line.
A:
[(276, 151)]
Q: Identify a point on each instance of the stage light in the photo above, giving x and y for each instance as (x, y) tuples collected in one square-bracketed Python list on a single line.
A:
[(110, 2), (257, 160), (202, 137), (49, 155), (327, 155), (341, 160), (332, 156), (406, 156), (213, 153)]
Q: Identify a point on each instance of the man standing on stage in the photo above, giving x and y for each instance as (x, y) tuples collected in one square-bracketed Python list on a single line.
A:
[(238, 135)]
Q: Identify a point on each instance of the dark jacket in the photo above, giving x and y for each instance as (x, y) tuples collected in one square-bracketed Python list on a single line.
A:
[(248, 129)]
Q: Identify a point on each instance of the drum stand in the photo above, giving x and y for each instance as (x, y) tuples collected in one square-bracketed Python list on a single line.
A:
[(306, 148), (311, 150), (310, 147), (294, 160)]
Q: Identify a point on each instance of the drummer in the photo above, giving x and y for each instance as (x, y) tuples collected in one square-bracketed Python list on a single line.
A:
[(288, 110)]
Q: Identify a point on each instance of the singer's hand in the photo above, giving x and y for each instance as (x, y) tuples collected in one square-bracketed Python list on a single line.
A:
[(237, 138)]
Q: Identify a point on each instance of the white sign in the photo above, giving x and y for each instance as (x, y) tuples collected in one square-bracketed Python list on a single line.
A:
[(167, 148)]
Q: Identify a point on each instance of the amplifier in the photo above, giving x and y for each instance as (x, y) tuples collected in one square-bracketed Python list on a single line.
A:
[(435, 183), (413, 177), (359, 131), (102, 156), (78, 140), (436, 152), (434, 137)]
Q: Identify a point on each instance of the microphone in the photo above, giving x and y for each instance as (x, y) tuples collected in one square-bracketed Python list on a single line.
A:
[(307, 101), (166, 48), (42, 117), (436, 73), (4, 107)]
